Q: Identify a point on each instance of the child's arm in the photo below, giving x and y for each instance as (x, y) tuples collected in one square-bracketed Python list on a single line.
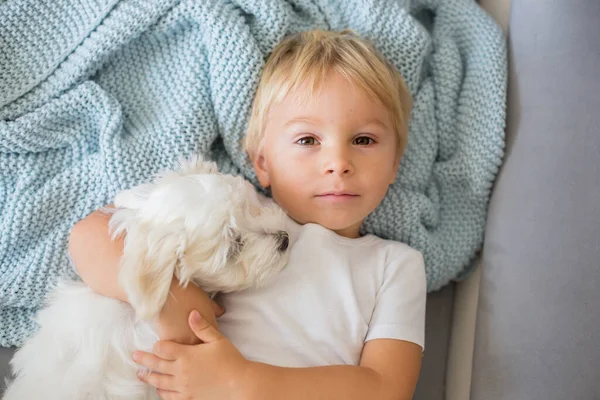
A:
[(96, 258), (389, 369), (215, 369)]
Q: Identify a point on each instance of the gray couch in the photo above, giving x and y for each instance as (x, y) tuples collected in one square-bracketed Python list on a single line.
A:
[(526, 324)]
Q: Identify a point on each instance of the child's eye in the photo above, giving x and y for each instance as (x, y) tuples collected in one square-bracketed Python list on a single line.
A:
[(307, 141), (363, 141)]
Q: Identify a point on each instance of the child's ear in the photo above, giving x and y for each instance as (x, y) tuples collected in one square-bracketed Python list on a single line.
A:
[(260, 168)]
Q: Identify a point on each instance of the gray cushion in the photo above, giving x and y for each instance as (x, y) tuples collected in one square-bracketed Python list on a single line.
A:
[(5, 356), (438, 323), (538, 325)]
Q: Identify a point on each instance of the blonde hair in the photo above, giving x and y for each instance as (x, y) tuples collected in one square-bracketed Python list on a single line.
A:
[(308, 57)]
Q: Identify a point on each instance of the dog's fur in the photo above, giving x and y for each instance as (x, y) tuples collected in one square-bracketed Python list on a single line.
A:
[(201, 226)]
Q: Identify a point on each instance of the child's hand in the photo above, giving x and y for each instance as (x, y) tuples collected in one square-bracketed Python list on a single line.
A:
[(212, 370), (172, 322)]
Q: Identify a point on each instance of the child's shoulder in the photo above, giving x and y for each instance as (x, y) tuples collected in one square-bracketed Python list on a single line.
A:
[(395, 246), (399, 253)]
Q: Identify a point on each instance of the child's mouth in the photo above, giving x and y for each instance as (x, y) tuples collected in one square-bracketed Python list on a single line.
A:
[(338, 196)]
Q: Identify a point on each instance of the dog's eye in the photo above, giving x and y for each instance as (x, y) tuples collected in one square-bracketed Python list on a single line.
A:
[(236, 247), (238, 241)]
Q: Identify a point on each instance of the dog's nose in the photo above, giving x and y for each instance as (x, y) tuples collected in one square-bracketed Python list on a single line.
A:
[(284, 240)]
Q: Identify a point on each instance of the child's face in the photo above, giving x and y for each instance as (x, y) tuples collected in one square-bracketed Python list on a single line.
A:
[(331, 159)]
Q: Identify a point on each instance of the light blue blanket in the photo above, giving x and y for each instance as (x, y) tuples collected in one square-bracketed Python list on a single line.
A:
[(97, 95)]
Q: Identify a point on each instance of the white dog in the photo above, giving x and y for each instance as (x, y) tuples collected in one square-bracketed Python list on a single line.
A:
[(194, 223)]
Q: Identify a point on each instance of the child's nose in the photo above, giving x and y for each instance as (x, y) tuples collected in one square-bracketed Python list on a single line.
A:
[(338, 161)]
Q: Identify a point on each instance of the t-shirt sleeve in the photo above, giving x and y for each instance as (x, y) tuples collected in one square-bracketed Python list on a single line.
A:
[(399, 311)]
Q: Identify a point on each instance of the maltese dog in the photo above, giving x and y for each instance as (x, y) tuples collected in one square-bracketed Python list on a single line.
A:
[(211, 229)]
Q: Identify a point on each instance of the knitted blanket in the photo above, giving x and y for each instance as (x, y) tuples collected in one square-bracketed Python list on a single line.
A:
[(98, 95)]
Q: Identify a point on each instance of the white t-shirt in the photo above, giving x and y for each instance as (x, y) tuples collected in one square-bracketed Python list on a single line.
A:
[(334, 295)]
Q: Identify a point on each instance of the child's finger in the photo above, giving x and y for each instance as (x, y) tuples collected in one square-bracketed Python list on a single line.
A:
[(217, 308), (167, 350), (152, 362), (159, 381), (203, 329)]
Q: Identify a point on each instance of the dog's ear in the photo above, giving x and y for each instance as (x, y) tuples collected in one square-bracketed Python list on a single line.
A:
[(149, 261), (153, 247)]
